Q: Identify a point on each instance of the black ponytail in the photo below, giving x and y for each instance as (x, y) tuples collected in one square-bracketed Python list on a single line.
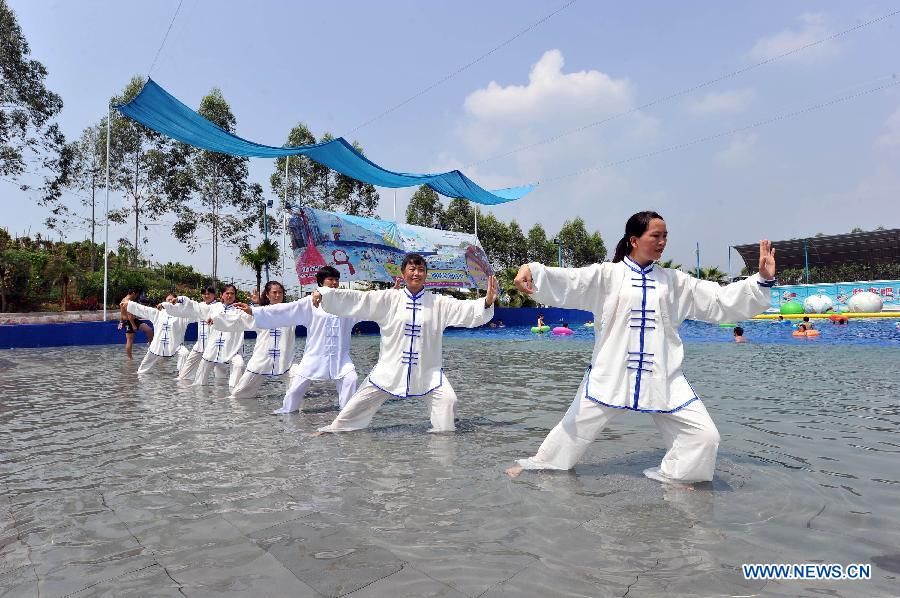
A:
[(635, 227)]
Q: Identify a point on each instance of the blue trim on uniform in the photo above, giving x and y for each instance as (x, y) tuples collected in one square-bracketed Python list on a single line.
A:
[(407, 395), (410, 358), (587, 395), (767, 283)]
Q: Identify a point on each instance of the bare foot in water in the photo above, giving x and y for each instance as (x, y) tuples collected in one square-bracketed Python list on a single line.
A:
[(514, 471)]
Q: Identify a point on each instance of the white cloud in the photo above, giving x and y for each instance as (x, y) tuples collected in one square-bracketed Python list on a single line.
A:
[(550, 90), (739, 152), (891, 135), (812, 28), (723, 101)]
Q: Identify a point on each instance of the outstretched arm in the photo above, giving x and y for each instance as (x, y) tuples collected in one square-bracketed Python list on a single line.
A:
[(359, 305), (710, 302), (279, 315), (233, 322), (576, 288), (141, 311), (184, 307)]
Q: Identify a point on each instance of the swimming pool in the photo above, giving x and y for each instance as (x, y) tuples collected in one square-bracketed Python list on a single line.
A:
[(857, 332), (115, 485)]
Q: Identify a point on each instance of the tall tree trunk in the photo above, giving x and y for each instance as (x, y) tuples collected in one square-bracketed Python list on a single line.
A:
[(64, 286), (258, 281)]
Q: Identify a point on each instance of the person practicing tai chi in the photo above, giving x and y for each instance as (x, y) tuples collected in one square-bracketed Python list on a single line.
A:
[(221, 347), (412, 323), (327, 352), (199, 312), (167, 342), (130, 323), (636, 365), (274, 349)]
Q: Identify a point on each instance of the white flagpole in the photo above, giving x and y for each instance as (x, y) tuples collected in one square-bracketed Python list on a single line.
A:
[(395, 205), (106, 242), (476, 221)]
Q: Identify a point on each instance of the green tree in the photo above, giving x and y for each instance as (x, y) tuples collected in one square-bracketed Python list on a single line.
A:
[(712, 273), (213, 189), (60, 270), (580, 248), (425, 208), (28, 107), (494, 238), (540, 249), (265, 253), (857, 229), (299, 172), (516, 245), (670, 264), (459, 216), (87, 173), (15, 272)]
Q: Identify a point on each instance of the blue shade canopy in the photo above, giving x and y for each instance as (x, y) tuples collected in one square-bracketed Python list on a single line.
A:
[(157, 109)]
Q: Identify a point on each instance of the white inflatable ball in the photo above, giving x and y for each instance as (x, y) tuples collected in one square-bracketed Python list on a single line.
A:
[(867, 302), (817, 304)]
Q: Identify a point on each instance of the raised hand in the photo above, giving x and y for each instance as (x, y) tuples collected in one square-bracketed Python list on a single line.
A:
[(523, 280), (398, 284), (316, 299), (766, 260), (254, 296), (491, 295), (244, 308)]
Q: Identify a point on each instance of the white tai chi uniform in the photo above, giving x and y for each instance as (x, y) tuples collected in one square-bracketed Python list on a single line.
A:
[(410, 359), (636, 364), (167, 338), (192, 310), (221, 348), (272, 354), (327, 352)]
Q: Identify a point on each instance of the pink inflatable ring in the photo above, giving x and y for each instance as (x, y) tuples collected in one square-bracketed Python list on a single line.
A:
[(562, 331)]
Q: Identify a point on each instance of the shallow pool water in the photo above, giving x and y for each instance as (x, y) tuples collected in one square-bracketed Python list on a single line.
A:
[(117, 486)]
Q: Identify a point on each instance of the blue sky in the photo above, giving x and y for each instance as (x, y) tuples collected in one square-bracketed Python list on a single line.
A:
[(336, 65)]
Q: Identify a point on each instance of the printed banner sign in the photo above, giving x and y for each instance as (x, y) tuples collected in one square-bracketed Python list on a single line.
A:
[(372, 250), (839, 292)]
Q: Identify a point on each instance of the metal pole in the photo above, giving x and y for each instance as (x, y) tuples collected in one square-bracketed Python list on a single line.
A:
[(806, 260), (106, 242), (729, 263), (476, 221), (395, 205), (698, 259)]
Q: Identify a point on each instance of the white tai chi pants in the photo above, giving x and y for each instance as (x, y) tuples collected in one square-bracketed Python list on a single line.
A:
[(151, 360), (188, 369), (221, 370), (358, 412), (691, 438), (248, 386), (293, 398)]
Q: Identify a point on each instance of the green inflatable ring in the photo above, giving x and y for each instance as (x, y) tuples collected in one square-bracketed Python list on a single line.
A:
[(589, 325), (727, 325), (538, 329)]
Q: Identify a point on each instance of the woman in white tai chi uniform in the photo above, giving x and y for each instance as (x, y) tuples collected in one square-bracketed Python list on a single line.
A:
[(412, 323), (636, 365), (326, 355), (222, 348), (169, 333), (199, 312), (274, 349)]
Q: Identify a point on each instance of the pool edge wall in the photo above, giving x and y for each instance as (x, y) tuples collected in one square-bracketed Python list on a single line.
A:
[(68, 334)]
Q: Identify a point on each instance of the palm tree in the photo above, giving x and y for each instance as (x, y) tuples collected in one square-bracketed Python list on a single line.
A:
[(670, 264), (265, 253), (59, 270), (712, 273)]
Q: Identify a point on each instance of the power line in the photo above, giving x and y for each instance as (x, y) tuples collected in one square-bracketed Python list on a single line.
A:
[(463, 68), (760, 123), (172, 22), (685, 91)]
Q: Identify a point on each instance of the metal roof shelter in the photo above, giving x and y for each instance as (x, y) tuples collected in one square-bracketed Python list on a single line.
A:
[(877, 246)]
